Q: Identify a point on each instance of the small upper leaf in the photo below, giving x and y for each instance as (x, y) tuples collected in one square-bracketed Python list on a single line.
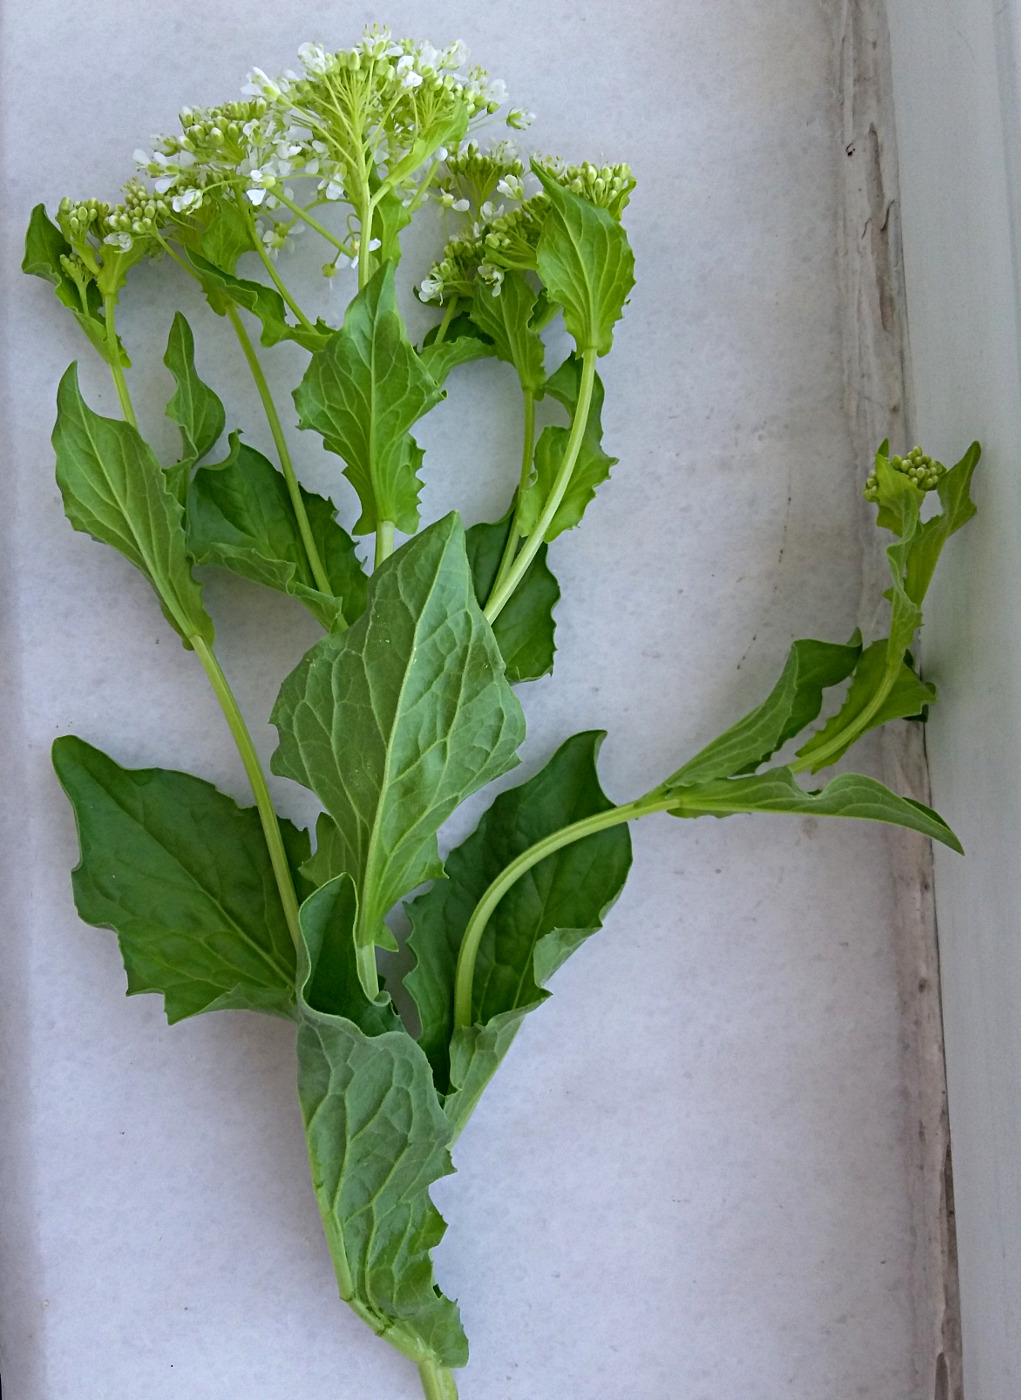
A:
[(240, 516), (182, 874), (794, 702), (49, 255), (194, 407), (524, 628), (849, 795), (586, 264), (462, 343), (262, 301), (362, 392), (507, 320), (115, 490), (394, 722)]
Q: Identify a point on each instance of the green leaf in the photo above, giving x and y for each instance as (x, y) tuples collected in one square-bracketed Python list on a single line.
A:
[(506, 319), (49, 255), (262, 301), (849, 795), (593, 464), (958, 508), (389, 219), (194, 407), (394, 722), (794, 702), (544, 916), (226, 236), (907, 699), (586, 264), (524, 628), (377, 1140), (240, 517), (362, 393), (115, 490), (462, 343), (182, 874)]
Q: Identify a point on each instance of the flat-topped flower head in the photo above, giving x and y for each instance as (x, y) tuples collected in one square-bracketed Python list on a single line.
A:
[(920, 469), (473, 177)]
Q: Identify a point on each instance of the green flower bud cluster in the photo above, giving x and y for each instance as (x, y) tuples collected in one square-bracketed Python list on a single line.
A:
[(454, 274), (608, 186), (920, 469), (476, 176), (142, 214), (79, 218)]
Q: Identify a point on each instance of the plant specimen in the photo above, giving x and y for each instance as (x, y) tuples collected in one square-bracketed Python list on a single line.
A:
[(406, 706)]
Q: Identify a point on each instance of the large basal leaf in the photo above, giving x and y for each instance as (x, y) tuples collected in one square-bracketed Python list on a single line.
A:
[(590, 470), (240, 516), (795, 701), (194, 407), (907, 699), (361, 393), (586, 264), (849, 795), (377, 1140), (115, 490), (507, 320), (524, 629), (182, 874), (541, 920), (262, 301), (394, 722)]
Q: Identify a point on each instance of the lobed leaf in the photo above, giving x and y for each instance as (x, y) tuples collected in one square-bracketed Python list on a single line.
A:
[(524, 629), (849, 795), (507, 320), (544, 916), (362, 392), (377, 1140), (240, 517), (796, 699), (394, 722), (221, 286), (115, 490), (181, 873), (585, 263), (462, 344), (591, 469)]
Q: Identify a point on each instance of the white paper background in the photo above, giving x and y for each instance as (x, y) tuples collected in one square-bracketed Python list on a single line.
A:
[(690, 1177)]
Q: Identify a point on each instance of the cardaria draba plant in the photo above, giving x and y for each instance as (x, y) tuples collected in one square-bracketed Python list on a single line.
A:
[(406, 706)]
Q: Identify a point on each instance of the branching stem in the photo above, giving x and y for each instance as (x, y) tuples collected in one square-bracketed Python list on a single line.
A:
[(319, 573), (116, 368)]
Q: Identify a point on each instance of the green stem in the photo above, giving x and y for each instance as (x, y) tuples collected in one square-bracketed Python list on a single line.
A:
[(437, 1381), (448, 316), (655, 801), (257, 779), (368, 972), (840, 741), (116, 368), (384, 541), (319, 573), (304, 215), (501, 595), (267, 262), (510, 549), (365, 238)]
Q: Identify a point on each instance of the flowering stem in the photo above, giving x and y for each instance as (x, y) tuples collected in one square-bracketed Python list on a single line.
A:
[(116, 368), (319, 573), (437, 1381), (384, 541), (448, 316), (303, 214), (655, 801), (267, 263), (256, 778), (510, 549), (519, 568)]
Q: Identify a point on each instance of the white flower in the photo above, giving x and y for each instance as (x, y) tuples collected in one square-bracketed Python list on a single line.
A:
[(334, 190), (448, 201), (431, 287), (119, 240), (142, 158), (441, 153), (456, 56), (427, 57), (512, 187), (256, 196), (260, 84), (518, 118), (187, 199), (313, 58), (495, 91), (164, 183), (487, 211)]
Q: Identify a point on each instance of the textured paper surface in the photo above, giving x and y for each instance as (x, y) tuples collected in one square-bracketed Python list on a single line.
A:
[(690, 1176)]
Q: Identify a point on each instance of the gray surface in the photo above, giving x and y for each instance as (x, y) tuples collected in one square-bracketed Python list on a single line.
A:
[(689, 1179), (959, 128)]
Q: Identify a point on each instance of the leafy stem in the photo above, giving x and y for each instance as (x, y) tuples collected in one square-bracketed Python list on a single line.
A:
[(655, 801), (503, 592), (267, 262), (319, 573), (384, 541), (437, 1381), (527, 453), (116, 368), (257, 779), (843, 739), (307, 218)]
